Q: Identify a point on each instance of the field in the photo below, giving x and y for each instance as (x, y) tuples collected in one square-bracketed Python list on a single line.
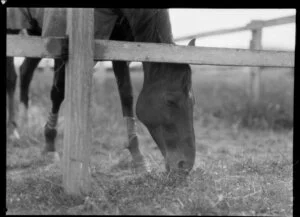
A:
[(243, 160)]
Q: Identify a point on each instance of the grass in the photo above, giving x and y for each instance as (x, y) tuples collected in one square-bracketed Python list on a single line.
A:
[(229, 90), (243, 167)]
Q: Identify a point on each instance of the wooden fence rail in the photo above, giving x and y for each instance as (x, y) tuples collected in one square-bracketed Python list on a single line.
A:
[(151, 52), (251, 26)]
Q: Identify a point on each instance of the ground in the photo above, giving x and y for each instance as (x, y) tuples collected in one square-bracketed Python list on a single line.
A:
[(243, 165)]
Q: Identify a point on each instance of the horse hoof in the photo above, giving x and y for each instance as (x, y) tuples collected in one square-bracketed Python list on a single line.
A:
[(52, 160), (12, 131), (51, 156), (44, 152), (55, 157), (15, 135), (140, 165)]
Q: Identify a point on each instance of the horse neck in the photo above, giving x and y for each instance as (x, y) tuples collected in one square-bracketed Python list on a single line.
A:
[(154, 27), (156, 30)]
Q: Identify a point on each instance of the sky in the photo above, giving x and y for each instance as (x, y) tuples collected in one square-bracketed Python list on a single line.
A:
[(191, 21)]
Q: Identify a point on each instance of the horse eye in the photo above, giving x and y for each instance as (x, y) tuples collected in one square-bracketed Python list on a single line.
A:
[(172, 103)]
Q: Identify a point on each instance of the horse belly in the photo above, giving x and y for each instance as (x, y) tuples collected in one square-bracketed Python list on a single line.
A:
[(16, 19), (55, 22), (105, 20)]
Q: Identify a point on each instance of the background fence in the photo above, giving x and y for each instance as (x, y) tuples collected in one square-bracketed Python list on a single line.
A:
[(79, 67), (256, 27)]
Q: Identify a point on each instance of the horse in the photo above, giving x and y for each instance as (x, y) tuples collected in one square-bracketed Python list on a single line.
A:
[(165, 103), (26, 70)]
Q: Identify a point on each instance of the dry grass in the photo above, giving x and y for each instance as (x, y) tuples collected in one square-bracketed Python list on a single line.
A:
[(239, 170)]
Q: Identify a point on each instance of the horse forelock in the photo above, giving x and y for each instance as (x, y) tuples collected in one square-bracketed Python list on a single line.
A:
[(180, 72), (169, 74)]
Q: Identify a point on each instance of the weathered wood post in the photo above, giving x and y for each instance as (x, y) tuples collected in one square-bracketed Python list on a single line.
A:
[(77, 132), (255, 73)]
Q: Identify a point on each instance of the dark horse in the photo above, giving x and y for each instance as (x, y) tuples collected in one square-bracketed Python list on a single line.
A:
[(165, 103)]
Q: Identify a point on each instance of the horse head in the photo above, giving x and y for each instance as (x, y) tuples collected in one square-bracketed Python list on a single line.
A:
[(165, 106)]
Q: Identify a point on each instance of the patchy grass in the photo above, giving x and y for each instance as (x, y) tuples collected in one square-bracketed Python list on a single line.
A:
[(225, 95), (239, 170)]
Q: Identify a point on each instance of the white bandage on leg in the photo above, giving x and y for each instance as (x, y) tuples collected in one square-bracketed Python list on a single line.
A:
[(52, 120), (131, 128)]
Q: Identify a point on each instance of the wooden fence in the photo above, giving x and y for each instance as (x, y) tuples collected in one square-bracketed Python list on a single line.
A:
[(82, 49), (255, 26)]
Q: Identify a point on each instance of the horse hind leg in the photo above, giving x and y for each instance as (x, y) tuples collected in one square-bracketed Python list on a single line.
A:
[(11, 80), (57, 97), (121, 70), (26, 73)]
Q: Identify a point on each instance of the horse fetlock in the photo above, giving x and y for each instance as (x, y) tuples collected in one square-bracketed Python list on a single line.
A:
[(52, 120), (139, 164), (50, 135), (133, 143), (13, 130), (23, 115)]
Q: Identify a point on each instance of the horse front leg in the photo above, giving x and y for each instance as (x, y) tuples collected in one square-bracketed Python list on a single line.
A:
[(11, 80), (57, 97), (121, 70)]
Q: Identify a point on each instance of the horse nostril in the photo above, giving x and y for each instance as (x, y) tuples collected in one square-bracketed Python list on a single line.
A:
[(181, 164)]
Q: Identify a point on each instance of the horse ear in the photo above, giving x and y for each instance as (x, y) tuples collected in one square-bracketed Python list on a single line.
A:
[(192, 42)]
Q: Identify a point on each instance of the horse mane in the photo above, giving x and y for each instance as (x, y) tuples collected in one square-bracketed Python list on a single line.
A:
[(153, 25)]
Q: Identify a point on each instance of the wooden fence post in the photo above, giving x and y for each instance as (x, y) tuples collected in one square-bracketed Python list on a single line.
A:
[(78, 82), (255, 72)]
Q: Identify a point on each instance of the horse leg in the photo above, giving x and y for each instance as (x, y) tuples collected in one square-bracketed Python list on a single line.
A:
[(26, 73), (57, 97), (11, 80), (121, 70)]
